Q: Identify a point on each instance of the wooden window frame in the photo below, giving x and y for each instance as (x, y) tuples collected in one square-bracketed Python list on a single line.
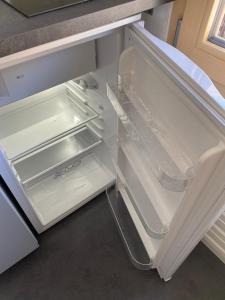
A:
[(193, 39), (213, 36)]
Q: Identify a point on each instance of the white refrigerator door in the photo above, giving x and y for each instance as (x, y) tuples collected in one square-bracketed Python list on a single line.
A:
[(17, 240), (171, 147)]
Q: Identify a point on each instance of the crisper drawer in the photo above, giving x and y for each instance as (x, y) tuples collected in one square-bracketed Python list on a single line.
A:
[(36, 75)]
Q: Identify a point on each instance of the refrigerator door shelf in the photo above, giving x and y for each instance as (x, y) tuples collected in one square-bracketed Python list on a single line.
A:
[(57, 195), (168, 161), (141, 161), (162, 154), (152, 218), (128, 229), (40, 119), (151, 245), (52, 158), (185, 74)]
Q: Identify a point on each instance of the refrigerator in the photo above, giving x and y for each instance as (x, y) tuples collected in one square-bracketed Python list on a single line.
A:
[(117, 110)]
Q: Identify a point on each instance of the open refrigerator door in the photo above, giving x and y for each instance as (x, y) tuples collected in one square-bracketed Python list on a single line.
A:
[(171, 151)]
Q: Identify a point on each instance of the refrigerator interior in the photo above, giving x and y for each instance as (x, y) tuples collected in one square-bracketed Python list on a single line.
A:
[(55, 144), (59, 144)]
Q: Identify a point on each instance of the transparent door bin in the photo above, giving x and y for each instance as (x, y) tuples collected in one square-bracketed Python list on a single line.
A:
[(129, 234), (39, 119), (49, 159), (150, 215), (173, 169)]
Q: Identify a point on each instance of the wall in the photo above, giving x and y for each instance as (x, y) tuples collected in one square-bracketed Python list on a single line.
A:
[(158, 23)]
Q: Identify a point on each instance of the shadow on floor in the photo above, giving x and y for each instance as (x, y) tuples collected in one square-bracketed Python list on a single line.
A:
[(83, 258)]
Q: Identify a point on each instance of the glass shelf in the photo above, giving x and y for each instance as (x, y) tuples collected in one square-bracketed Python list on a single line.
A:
[(39, 119), (54, 156)]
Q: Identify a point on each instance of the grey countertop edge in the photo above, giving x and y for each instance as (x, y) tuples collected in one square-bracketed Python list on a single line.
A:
[(42, 35)]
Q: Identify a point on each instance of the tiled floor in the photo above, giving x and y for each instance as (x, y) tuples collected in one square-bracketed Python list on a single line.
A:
[(83, 257)]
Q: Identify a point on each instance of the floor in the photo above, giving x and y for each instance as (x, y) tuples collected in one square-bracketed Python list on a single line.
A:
[(83, 257)]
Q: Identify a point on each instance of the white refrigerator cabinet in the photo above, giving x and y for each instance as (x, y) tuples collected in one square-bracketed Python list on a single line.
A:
[(139, 115), (17, 240)]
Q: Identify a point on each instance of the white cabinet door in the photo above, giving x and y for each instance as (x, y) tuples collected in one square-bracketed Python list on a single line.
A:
[(171, 147), (17, 240)]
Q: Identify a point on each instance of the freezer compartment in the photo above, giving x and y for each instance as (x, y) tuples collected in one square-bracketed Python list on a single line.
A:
[(35, 121), (142, 195), (161, 117), (127, 229), (52, 157), (59, 194)]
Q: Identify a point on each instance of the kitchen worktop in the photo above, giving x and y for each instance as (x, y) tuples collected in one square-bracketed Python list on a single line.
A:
[(18, 32)]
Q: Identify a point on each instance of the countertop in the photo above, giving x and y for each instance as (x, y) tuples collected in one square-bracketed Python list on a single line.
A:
[(18, 32)]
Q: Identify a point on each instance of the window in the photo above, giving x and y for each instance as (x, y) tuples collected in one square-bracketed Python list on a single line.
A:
[(200, 21), (217, 32)]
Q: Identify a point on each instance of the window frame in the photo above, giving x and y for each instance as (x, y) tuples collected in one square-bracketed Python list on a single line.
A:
[(193, 40), (218, 18)]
